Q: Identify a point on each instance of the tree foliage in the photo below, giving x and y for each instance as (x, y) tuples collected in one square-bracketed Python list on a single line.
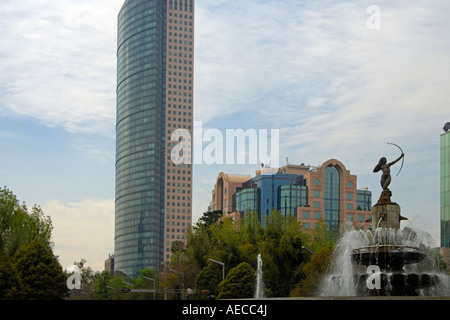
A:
[(10, 282), (314, 270), (209, 278), (41, 274), (19, 226), (239, 283), (28, 268), (277, 238)]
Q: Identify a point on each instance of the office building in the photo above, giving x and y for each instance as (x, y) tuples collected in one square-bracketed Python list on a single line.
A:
[(327, 192), (155, 63), (334, 197), (109, 264)]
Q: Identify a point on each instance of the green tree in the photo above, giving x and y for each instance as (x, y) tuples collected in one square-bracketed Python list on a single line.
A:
[(282, 254), (87, 274), (143, 282), (209, 278), (320, 237), (198, 244), (177, 246), (10, 283), (225, 241), (41, 274), (186, 269), (282, 264), (8, 206), (251, 230), (210, 217), (18, 226), (239, 283), (100, 286), (314, 270)]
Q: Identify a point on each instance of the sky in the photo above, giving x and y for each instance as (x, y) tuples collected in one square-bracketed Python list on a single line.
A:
[(333, 87)]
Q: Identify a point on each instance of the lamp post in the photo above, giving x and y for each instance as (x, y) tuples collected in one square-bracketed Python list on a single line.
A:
[(182, 281), (308, 250), (154, 285), (223, 267)]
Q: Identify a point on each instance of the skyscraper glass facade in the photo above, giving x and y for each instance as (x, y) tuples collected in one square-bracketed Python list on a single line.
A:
[(144, 124), (445, 190), (265, 193), (290, 197), (247, 200), (332, 198), (139, 225)]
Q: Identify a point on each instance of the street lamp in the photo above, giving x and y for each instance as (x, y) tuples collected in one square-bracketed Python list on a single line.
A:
[(223, 267), (154, 285), (182, 281), (308, 250)]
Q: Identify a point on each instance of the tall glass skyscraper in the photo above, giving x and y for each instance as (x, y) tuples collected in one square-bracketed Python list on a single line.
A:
[(445, 189), (154, 98)]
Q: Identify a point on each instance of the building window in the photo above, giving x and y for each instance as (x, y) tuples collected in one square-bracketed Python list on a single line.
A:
[(316, 194), (306, 215)]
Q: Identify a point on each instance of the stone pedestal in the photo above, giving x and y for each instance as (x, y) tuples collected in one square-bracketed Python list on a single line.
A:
[(386, 216)]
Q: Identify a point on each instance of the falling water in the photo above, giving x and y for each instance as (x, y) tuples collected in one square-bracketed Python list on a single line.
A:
[(341, 271), (259, 291)]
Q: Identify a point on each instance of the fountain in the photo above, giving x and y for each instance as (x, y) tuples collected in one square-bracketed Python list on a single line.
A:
[(388, 261), (259, 290)]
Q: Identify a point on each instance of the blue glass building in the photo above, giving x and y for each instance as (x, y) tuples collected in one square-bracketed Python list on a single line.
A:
[(267, 192), (146, 103), (327, 192)]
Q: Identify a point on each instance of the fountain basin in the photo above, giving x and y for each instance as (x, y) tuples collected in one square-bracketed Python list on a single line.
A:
[(387, 257), (396, 283)]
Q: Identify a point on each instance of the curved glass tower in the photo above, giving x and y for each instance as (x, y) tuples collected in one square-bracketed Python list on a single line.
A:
[(145, 108)]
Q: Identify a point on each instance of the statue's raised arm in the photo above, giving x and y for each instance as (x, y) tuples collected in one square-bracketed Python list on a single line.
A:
[(385, 168), (386, 178)]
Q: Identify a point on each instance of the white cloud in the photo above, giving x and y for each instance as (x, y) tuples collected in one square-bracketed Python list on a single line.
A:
[(58, 62), (333, 87), (317, 66), (82, 230)]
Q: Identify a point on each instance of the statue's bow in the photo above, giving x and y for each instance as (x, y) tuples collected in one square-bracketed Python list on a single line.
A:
[(403, 159)]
